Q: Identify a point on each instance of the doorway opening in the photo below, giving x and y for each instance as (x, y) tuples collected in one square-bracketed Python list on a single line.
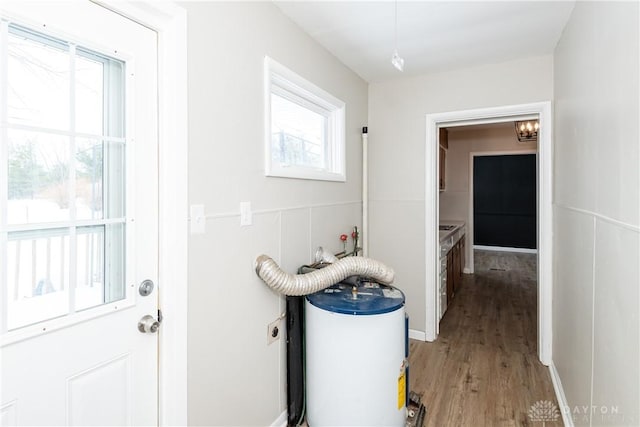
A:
[(496, 115), (502, 201)]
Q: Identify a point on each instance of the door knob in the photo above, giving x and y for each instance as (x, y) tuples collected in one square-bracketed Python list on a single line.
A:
[(148, 325)]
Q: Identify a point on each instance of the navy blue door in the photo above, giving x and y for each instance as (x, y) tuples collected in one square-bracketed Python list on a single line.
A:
[(504, 201)]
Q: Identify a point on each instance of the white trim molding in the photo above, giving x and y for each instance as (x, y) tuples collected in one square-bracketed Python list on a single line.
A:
[(281, 421), (417, 335), (505, 249), (542, 112), (563, 404), (169, 20)]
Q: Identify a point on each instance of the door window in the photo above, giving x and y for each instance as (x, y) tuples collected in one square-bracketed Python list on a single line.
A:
[(62, 179)]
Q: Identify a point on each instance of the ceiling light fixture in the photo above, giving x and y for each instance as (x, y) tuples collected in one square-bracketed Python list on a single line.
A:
[(527, 131), (396, 60)]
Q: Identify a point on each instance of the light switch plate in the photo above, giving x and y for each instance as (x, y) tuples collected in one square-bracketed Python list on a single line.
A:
[(198, 220), (246, 217)]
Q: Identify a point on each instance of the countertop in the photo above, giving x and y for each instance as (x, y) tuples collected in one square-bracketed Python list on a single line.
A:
[(447, 233)]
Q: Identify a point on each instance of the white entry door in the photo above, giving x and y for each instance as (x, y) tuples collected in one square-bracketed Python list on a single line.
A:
[(78, 216)]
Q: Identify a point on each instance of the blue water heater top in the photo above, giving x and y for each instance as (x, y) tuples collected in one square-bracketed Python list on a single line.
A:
[(368, 298)]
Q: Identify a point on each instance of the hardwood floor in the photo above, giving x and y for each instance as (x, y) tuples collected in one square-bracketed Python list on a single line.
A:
[(483, 369)]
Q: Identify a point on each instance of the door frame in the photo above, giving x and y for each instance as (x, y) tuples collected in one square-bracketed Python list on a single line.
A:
[(470, 223), (500, 114), (169, 20)]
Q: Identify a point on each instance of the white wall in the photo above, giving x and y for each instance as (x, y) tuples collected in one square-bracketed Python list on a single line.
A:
[(596, 327), (234, 378), (464, 140), (397, 140)]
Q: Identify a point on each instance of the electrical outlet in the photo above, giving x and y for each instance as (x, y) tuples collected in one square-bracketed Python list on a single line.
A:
[(274, 330)]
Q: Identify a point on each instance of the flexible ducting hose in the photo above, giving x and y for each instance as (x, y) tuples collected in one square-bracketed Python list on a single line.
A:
[(309, 283)]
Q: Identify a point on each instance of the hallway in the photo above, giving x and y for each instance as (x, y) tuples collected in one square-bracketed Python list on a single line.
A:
[(483, 370)]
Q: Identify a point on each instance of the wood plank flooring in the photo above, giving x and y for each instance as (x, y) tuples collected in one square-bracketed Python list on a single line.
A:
[(483, 370)]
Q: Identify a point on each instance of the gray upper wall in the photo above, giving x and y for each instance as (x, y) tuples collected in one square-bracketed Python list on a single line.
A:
[(596, 105), (398, 109), (227, 45), (234, 377)]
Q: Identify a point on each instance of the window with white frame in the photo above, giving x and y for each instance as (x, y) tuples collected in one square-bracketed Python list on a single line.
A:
[(305, 132), (62, 177)]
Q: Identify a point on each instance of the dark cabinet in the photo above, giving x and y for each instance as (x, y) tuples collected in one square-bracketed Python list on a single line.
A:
[(463, 251), (443, 162), (444, 145), (450, 277), (455, 267)]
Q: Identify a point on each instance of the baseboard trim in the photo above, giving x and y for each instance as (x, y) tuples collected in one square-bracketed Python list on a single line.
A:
[(417, 335), (281, 421), (505, 249), (562, 399)]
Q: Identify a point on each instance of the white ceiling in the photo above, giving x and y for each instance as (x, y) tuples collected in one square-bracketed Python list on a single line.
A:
[(432, 35)]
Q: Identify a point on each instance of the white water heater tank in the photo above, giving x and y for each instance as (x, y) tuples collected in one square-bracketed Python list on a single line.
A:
[(356, 356)]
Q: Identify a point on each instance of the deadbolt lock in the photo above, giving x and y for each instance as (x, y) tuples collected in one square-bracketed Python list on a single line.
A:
[(146, 287)]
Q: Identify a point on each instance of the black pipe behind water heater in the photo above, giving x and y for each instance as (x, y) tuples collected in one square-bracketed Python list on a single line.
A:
[(295, 360)]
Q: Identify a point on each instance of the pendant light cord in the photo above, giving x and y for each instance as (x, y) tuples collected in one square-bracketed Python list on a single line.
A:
[(396, 60), (396, 24)]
